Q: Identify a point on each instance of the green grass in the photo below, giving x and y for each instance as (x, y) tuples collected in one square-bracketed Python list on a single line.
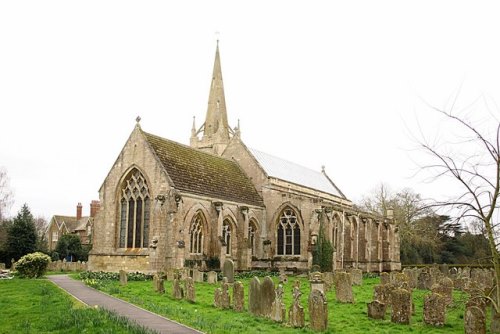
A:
[(38, 306), (343, 318)]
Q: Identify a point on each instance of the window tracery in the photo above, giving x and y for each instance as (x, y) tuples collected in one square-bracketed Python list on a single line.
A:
[(288, 233), (196, 235)]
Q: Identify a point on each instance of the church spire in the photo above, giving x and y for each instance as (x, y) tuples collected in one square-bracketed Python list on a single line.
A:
[(216, 119)]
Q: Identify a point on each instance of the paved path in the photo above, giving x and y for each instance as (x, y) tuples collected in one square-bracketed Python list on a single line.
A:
[(142, 317)]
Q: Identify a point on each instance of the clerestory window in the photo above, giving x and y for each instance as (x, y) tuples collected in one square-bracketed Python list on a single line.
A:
[(135, 211), (288, 234), (196, 235)]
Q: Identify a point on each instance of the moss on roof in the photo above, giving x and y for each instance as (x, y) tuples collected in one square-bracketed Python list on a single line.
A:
[(205, 174)]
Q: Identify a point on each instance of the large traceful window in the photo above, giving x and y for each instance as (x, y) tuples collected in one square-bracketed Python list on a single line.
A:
[(134, 212), (288, 234), (196, 235), (226, 235)]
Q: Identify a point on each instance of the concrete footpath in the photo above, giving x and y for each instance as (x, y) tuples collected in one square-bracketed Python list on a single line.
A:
[(136, 314)]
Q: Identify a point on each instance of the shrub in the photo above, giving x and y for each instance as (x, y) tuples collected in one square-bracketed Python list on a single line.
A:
[(32, 265)]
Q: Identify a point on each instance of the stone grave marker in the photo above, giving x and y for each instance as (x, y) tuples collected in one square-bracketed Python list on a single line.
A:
[(434, 309), (238, 296), (278, 312), (474, 320), (343, 288), (385, 278), (376, 310), (197, 275), (177, 292), (225, 297), (158, 284), (228, 270), (444, 288), (424, 280), (190, 290), (254, 302), (318, 311), (317, 282), (267, 295), (296, 317), (212, 277), (357, 276), (401, 306), (382, 293), (217, 298), (123, 277)]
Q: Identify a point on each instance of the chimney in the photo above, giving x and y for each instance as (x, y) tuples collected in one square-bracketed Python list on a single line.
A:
[(79, 211), (94, 208)]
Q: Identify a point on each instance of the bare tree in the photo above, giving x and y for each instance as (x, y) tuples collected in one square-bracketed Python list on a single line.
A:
[(470, 158), (5, 194)]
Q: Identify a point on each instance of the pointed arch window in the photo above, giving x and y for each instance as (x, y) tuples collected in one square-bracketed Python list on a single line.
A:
[(288, 233), (196, 235), (134, 211), (226, 235), (252, 231)]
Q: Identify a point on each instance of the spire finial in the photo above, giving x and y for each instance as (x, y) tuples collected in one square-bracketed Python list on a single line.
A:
[(193, 129), (217, 35), (323, 169), (137, 121)]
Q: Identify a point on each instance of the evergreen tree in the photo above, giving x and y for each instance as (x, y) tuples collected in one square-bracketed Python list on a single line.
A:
[(323, 254), (21, 235), (69, 246)]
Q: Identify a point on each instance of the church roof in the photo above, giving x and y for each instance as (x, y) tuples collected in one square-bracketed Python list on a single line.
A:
[(72, 224), (294, 173), (205, 174)]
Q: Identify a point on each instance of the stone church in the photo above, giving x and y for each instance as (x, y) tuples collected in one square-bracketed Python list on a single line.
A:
[(167, 205)]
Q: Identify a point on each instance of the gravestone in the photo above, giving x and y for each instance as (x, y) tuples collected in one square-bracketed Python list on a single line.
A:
[(424, 280), (123, 277), (190, 290), (228, 270), (225, 300), (357, 276), (212, 277), (278, 310), (218, 298), (434, 309), (197, 275), (444, 288), (328, 278), (382, 293), (238, 297), (317, 282), (401, 306), (400, 281), (296, 317), (376, 309), (318, 311), (474, 320), (158, 284), (385, 278), (177, 292), (254, 302), (412, 275), (343, 288), (267, 295), (170, 275)]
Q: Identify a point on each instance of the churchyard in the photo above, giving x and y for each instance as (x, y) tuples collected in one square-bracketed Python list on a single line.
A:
[(212, 307)]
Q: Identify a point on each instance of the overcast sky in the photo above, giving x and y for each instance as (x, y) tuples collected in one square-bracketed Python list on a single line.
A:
[(334, 83)]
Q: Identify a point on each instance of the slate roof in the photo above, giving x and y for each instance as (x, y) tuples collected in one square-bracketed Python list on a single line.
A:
[(294, 173), (71, 223), (205, 174)]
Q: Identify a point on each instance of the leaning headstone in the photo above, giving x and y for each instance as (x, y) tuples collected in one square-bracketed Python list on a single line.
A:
[(444, 288), (190, 290), (424, 280), (385, 278), (296, 312), (123, 277), (317, 282), (267, 296), (401, 306), (376, 310), (474, 320), (177, 292), (357, 276), (278, 310), (343, 288), (228, 270), (254, 302), (225, 297), (318, 311), (238, 296), (212, 277), (434, 309)]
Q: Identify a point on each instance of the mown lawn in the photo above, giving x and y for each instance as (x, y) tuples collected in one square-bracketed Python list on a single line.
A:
[(38, 306), (343, 318)]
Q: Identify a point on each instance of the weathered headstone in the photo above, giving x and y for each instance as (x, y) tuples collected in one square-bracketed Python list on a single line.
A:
[(385, 278), (401, 281), (296, 313), (218, 298), (238, 296), (197, 275), (317, 282), (376, 309), (283, 277), (382, 293), (190, 290), (329, 279), (434, 309), (177, 292), (212, 277), (343, 288), (170, 275), (318, 311), (278, 310), (225, 297), (123, 277), (228, 270), (401, 306), (474, 320), (444, 288), (412, 275), (158, 284), (424, 280), (267, 296), (357, 276), (254, 302)]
